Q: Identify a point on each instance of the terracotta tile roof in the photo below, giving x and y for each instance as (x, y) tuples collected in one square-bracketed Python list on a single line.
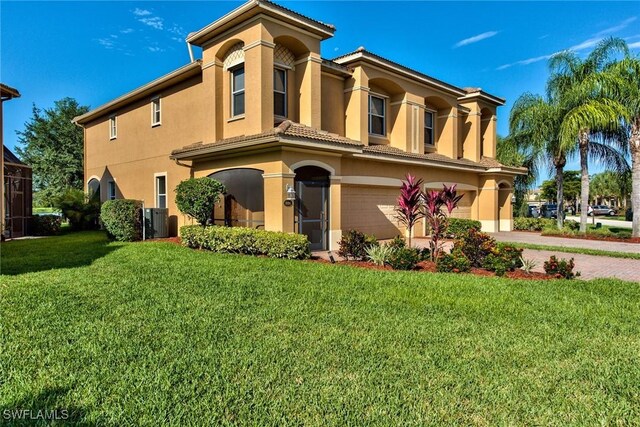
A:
[(396, 152), (285, 129)]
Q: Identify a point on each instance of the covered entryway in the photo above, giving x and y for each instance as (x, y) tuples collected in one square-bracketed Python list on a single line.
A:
[(312, 205), (505, 193)]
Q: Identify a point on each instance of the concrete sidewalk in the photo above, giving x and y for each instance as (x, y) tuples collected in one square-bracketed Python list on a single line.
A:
[(538, 239)]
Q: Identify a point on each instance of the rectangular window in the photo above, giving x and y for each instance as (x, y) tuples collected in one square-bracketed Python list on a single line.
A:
[(112, 190), (280, 92), (155, 112), (113, 127), (377, 125), (237, 91), (428, 129), (161, 191)]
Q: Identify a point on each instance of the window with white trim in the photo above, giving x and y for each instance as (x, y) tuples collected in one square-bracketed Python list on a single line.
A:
[(280, 92), (112, 190), (377, 125), (237, 90), (155, 112), (113, 127), (161, 191), (428, 129)]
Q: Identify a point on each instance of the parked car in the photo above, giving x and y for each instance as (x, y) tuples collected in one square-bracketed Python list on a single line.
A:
[(549, 211), (533, 212), (601, 210)]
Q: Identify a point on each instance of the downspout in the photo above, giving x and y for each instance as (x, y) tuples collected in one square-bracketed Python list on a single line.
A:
[(190, 49)]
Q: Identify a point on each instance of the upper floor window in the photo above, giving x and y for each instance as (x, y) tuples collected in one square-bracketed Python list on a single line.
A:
[(376, 116), (155, 112), (237, 90), (161, 191), (111, 190), (280, 92), (428, 129), (113, 127)]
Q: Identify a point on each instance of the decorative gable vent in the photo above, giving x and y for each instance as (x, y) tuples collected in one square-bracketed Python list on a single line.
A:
[(283, 56), (234, 56)]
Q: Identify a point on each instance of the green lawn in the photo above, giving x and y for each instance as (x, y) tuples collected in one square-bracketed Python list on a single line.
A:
[(155, 334), (572, 250)]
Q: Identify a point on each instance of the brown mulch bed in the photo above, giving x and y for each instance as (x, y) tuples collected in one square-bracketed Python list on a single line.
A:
[(430, 267), (175, 240)]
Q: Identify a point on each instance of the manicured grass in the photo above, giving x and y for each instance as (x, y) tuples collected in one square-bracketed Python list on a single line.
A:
[(572, 250), (157, 334), (45, 210)]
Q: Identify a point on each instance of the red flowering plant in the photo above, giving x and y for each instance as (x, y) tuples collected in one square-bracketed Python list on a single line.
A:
[(435, 205), (409, 203)]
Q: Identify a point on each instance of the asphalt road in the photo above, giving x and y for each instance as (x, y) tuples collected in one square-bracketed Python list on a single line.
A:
[(604, 221)]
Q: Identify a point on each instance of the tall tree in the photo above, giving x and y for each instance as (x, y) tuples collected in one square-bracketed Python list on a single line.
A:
[(534, 129), (628, 72), (53, 146), (609, 185), (580, 87)]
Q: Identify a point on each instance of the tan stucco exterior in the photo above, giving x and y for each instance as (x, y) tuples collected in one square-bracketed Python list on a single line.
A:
[(326, 126)]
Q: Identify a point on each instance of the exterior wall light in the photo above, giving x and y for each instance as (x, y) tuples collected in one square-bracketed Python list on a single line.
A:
[(291, 195)]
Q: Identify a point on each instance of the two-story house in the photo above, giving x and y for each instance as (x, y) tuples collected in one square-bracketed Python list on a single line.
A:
[(266, 115)]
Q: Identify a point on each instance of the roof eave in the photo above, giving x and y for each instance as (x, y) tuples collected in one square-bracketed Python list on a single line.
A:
[(483, 96), (223, 23), (175, 76)]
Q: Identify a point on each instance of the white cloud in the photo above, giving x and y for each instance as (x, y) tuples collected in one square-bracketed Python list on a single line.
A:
[(141, 12), (153, 21), (475, 39), (589, 43), (621, 26), (155, 49), (127, 31), (106, 42), (635, 45)]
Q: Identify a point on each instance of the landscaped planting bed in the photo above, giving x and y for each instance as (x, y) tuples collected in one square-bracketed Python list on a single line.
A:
[(159, 334)]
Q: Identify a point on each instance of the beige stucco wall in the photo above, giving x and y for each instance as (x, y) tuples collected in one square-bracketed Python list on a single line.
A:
[(363, 190)]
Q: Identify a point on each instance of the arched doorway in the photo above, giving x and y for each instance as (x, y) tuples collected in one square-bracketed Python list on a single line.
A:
[(93, 188), (312, 205), (504, 207)]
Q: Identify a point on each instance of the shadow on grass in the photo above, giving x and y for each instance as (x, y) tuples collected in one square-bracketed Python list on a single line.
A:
[(45, 408), (69, 250)]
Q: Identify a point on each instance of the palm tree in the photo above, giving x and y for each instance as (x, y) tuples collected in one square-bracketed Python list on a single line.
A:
[(628, 72), (580, 86), (534, 128)]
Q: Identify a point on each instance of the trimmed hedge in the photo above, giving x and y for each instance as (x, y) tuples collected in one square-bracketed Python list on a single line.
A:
[(533, 224), (459, 226), (241, 240), (122, 218), (46, 225)]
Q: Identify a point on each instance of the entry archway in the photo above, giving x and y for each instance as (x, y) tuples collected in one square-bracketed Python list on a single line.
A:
[(311, 216)]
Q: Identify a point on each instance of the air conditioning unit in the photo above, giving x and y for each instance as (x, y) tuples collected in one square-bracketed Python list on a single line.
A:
[(156, 223)]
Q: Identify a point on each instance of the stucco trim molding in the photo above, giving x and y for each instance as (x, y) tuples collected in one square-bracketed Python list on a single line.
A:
[(278, 175), (489, 225), (316, 163), (506, 225), (459, 186), (378, 181), (355, 88), (259, 43)]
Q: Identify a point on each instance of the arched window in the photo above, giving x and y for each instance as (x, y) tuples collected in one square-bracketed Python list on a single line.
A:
[(234, 63), (242, 204), (93, 187)]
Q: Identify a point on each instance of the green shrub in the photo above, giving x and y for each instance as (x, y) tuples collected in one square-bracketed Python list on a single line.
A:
[(503, 258), (122, 218), (379, 254), (79, 209), (475, 245), (354, 244), (249, 241), (455, 262), (46, 225), (458, 226), (404, 258), (397, 242), (197, 196), (533, 224), (560, 268)]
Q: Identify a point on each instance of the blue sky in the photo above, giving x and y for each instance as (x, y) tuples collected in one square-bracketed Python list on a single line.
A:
[(96, 51)]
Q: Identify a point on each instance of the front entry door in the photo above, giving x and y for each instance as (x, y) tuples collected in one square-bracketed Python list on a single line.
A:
[(313, 212)]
